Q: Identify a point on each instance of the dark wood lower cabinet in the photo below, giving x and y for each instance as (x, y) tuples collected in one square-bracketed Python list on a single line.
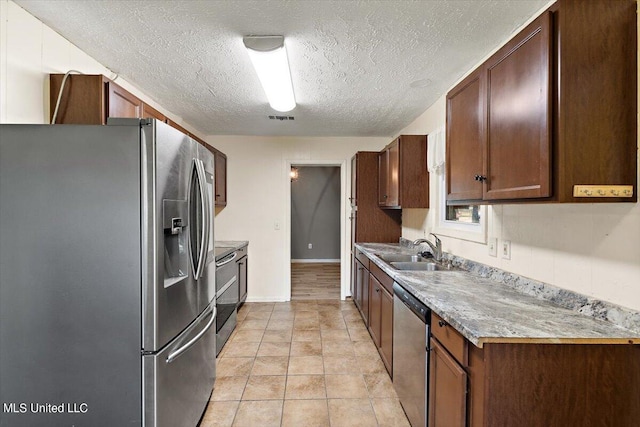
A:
[(375, 297), (381, 314), (447, 389), (386, 329), (524, 385), (375, 302), (362, 290)]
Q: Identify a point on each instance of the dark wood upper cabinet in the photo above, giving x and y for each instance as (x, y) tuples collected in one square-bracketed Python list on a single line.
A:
[(83, 99), (403, 180), (383, 177), (393, 174), (369, 223), (221, 178), (148, 112), (121, 103), (518, 109), (595, 97), (558, 112), (465, 138), (93, 98)]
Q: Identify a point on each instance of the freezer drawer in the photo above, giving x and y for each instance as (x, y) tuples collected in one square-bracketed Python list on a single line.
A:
[(180, 378)]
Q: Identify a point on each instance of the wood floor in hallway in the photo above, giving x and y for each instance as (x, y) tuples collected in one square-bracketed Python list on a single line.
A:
[(315, 281)]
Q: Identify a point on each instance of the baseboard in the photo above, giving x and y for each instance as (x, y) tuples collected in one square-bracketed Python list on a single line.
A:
[(267, 299), (324, 261)]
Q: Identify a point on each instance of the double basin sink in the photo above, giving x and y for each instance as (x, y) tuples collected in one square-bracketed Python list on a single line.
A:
[(413, 263)]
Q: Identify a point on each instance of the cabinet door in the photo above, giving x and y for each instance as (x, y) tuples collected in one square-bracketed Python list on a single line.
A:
[(221, 179), (82, 101), (362, 289), (386, 330), (375, 291), (148, 112), (393, 174), (517, 150), (243, 266), (465, 139), (364, 295), (121, 103), (383, 182), (447, 389), (354, 280), (354, 175)]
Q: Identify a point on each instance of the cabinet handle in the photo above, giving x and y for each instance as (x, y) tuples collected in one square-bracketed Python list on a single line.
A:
[(480, 178), (377, 289), (442, 323)]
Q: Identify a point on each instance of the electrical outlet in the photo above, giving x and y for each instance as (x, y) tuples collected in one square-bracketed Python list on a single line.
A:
[(310, 245), (506, 249), (493, 246), (276, 225)]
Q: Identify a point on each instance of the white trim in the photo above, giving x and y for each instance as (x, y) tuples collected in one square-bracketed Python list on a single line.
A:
[(344, 215), (458, 230), (315, 260), (268, 299)]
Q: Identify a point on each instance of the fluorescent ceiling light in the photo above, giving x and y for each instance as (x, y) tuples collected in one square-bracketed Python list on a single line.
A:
[(269, 57)]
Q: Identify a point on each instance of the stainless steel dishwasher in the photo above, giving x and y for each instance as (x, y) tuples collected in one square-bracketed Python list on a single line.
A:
[(411, 319)]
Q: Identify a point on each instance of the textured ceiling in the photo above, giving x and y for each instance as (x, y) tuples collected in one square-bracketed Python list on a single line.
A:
[(352, 62)]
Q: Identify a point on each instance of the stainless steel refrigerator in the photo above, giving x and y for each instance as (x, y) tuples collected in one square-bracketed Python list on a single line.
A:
[(107, 275)]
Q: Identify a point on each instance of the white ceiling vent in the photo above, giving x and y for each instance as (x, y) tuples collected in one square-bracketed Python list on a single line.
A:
[(281, 118)]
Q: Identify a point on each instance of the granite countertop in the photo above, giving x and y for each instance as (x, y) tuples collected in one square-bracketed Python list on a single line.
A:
[(225, 247), (486, 311)]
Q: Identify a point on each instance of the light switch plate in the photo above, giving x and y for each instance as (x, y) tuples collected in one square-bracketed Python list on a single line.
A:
[(492, 246), (506, 249), (276, 225)]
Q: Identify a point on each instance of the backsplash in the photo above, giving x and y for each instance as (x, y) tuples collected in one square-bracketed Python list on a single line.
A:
[(621, 316)]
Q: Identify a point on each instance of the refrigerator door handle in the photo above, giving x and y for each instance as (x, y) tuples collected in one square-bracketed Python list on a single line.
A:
[(172, 356), (209, 214), (204, 204)]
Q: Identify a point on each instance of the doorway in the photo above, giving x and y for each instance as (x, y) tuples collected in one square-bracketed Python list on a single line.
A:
[(315, 232)]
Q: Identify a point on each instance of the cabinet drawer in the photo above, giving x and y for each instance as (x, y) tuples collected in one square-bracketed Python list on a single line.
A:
[(451, 339), (382, 277), (360, 256)]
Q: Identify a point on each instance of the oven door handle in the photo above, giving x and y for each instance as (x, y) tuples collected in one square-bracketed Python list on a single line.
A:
[(226, 286), (192, 341), (227, 261)]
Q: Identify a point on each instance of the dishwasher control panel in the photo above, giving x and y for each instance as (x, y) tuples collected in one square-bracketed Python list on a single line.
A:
[(415, 305)]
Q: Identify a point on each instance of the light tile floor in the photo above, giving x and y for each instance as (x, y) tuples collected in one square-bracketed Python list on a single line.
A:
[(302, 364)]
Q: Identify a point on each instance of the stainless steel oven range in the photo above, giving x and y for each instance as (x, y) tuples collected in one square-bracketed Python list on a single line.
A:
[(227, 295)]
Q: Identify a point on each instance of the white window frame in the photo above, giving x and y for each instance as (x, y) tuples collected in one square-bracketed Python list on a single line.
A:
[(458, 230)]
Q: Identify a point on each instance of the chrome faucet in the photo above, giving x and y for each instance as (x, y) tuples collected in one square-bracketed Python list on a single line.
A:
[(436, 249)]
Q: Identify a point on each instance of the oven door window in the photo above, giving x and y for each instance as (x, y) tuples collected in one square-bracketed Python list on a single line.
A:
[(227, 300)]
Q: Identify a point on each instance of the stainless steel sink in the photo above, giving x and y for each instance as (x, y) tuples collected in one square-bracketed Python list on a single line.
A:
[(393, 258), (420, 266)]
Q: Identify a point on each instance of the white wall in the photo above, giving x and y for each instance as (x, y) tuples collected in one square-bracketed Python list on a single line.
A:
[(593, 249), (258, 183), (29, 52)]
